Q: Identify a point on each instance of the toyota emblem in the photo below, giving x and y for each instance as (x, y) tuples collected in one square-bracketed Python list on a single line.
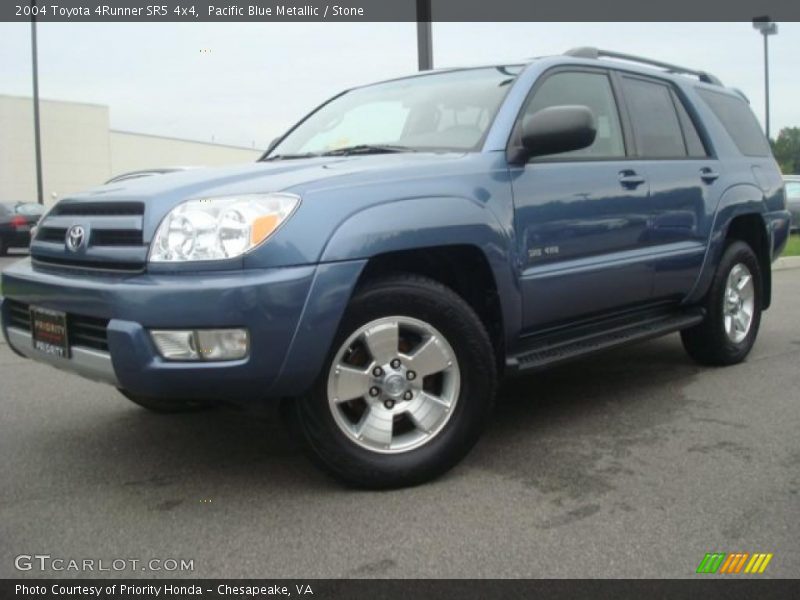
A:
[(76, 236)]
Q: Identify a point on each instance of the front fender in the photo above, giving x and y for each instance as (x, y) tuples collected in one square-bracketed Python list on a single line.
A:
[(321, 314), (428, 222)]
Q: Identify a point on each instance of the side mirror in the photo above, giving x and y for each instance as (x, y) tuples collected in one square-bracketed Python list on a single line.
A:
[(558, 129)]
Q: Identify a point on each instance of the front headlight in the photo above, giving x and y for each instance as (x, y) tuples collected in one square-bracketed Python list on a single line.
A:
[(220, 228)]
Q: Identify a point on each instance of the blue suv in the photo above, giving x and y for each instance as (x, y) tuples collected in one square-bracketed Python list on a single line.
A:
[(409, 243)]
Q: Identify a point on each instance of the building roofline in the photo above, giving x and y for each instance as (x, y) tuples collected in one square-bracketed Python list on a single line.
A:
[(178, 139), (111, 130), (30, 99)]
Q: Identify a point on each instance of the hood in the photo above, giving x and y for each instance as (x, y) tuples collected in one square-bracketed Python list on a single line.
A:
[(163, 192), (121, 218)]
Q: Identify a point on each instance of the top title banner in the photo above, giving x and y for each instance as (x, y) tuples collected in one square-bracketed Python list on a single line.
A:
[(395, 10)]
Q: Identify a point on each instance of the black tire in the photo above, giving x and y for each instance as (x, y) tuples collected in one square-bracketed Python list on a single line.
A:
[(428, 301), (167, 405), (708, 343)]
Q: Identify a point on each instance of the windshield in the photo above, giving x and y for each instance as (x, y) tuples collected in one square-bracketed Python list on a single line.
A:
[(442, 111)]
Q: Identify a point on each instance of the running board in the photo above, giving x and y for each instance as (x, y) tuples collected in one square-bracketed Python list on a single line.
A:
[(546, 351)]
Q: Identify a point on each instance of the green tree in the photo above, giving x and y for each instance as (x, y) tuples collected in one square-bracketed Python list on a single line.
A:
[(786, 149)]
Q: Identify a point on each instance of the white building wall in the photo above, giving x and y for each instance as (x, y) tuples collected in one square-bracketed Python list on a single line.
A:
[(79, 150), (135, 151), (17, 174), (75, 147)]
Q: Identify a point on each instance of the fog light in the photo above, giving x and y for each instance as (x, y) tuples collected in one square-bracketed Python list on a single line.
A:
[(175, 345), (202, 344), (222, 344)]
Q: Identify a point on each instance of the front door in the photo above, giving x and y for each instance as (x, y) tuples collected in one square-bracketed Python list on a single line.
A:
[(582, 216)]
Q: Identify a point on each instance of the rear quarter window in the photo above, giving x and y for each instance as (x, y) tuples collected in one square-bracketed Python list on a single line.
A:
[(738, 120)]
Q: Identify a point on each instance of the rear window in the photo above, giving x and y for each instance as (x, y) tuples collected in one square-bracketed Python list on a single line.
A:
[(793, 189), (694, 145), (738, 120), (655, 120)]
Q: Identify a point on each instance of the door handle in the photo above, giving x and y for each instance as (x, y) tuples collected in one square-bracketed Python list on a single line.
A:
[(630, 179), (708, 175)]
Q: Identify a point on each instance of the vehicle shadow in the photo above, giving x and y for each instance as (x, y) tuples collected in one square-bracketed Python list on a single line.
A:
[(573, 431), (615, 398)]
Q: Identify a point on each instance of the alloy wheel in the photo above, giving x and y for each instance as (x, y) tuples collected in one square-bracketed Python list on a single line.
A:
[(393, 384)]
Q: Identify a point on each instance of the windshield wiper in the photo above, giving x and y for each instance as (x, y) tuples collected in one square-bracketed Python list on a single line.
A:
[(291, 156), (368, 149), (359, 149)]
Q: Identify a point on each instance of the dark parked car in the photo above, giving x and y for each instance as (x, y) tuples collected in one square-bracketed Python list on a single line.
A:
[(16, 221), (410, 242), (793, 199)]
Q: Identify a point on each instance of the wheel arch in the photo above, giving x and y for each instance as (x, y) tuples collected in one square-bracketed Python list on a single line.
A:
[(752, 229), (419, 235), (739, 215), (464, 268)]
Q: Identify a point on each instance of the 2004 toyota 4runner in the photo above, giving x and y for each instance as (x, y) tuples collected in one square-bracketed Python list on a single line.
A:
[(410, 242)]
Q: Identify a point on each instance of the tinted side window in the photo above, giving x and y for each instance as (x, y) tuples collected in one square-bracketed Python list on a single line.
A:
[(739, 121), (655, 122), (694, 145), (587, 89)]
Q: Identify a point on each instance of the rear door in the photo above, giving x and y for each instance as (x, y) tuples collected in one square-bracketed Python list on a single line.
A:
[(684, 182), (581, 216)]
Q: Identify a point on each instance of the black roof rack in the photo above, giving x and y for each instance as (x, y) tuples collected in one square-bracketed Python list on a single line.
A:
[(588, 52)]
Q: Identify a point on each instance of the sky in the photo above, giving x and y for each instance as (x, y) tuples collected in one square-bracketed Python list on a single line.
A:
[(245, 83)]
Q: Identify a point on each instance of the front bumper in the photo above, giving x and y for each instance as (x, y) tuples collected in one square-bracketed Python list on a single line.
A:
[(87, 362), (288, 325)]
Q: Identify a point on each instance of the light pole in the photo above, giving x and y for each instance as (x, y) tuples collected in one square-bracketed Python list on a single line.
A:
[(424, 36), (37, 138), (767, 28)]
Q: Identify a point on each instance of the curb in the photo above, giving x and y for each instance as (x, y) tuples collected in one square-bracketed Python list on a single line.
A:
[(786, 262)]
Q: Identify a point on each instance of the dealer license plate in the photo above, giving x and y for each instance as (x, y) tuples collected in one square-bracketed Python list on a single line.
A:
[(49, 331)]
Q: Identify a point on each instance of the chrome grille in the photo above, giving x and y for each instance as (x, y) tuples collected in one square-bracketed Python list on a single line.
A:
[(114, 237), (119, 237), (51, 234), (95, 209)]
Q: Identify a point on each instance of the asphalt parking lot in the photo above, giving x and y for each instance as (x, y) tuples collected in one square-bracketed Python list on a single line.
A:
[(634, 463)]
